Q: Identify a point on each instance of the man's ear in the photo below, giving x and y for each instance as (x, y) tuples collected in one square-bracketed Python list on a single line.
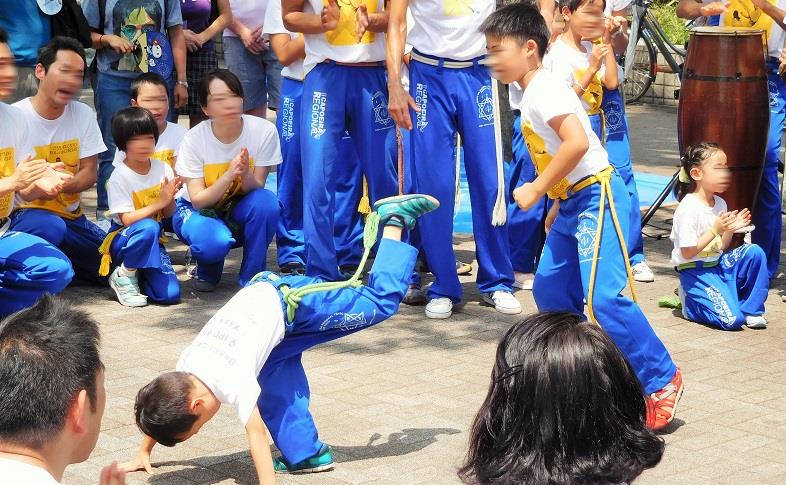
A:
[(133, 102), (40, 72), (79, 412)]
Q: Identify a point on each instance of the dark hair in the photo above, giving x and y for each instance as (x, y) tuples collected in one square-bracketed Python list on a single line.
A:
[(3, 36), (147, 78), (520, 21), (48, 354), (229, 78), (130, 122), (48, 53), (161, 408), (694, 156), (564, 406), (574, 5)]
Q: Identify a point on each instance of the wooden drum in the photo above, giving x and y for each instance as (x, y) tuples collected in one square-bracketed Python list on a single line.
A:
[(724, 99)]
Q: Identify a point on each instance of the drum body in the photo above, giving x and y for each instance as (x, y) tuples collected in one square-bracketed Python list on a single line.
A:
[(724, 99)]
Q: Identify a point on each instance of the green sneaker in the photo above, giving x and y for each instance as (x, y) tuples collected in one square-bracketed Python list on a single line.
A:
[(402, 210), (127, 289), (321, 462)]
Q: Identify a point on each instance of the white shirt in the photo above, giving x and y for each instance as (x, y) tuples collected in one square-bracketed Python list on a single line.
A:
[(250, 13), (570, 65), (341, 45), (544, 99), (129, 191), (616, 6), (449, 28), (231, 349), (274, 24), (693, 218), (166, 147), (203, 156), (742, 14), (13, 148), (69, 138), (515, 95), (18, 472)]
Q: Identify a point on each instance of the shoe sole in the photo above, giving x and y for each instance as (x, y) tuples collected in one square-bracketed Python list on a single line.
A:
[(120, 300), (674, 408), (504, 311), (400, 198), (757, 326), (438, 316), (643, 280), (306, 471)]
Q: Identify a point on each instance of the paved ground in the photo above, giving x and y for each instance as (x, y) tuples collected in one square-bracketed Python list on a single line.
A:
[(395, 401)]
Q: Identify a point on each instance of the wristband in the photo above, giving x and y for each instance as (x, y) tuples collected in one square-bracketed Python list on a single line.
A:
[(101, 40)]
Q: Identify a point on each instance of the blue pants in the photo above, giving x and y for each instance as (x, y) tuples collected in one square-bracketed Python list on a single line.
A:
[(336, 99), (563, 277), (322, 317), (348, 228), (767, 214), (256, 214), (596, 122), (618, 148), (525, 231), (451, 101), (78, 239), (723, 295), (137, 247), (112, 94), (29, 267)]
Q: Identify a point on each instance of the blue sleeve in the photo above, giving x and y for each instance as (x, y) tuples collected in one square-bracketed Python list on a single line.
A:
[(90, 9), (173, 15)]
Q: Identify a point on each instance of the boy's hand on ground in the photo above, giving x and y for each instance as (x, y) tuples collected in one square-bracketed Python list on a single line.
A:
[(526, 195), (140, 462), (112, 475), (399, 102)]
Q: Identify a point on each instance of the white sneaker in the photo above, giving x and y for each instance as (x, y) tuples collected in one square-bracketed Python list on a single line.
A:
[(439, 308), (503, 302), (757, 322), (642, 273), (523, 281)]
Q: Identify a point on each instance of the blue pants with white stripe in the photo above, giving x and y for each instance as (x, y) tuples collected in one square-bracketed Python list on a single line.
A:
[(723, 295), (348, 222), (457, 101), (79, 239), (337, 99), (137, 247), (29, 267), (618, 148), (322, 317), (563, 278)]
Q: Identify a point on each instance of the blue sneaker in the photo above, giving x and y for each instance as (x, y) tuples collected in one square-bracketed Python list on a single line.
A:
[(402, 210), (321, 462)]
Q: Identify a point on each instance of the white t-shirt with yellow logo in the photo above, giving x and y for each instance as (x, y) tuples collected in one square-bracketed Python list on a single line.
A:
[(570, 65), (545, 99), (166, 147), (13, 148), (203, 156), (74, 135), (341, 45), (449, 28), (129, 191)]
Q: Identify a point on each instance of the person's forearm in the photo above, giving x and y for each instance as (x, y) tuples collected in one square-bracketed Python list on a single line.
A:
[(610, 77), (689, 9), (701, 244), (564, 161), (149, 212), (223, 21), (547, 11), (378, 22), (99, 40), (168, 210), (726, 238), (7, 185), (178, 41), (84, 178), (238, 27), (255, 179), (296, 20), (209, 196), (31, 193), (287, 49), (396, 38), (774, 12), (262, 458)]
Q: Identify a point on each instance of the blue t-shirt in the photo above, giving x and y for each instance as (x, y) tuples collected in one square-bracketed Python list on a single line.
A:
[(140, 22), (28, 29)]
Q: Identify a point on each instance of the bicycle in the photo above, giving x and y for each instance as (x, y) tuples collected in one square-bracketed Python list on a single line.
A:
[(641, 67)]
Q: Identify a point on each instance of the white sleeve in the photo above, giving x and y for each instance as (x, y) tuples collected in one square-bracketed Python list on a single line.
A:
[(119, 156), (189, 164), (90, 143), (560, 101), (120, 198), (168, 172), (274, 23), (268, 150), (686, 228)]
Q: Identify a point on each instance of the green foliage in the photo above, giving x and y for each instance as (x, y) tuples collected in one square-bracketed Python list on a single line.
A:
[(666, 13)]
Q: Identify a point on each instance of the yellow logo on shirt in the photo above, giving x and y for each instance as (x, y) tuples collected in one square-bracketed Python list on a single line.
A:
[(67, 153), (593, 96), (457, 8), (345, 33), (145, 197), (214, 171), (541, 159), (743, 13), (167, 156), (6, 170)]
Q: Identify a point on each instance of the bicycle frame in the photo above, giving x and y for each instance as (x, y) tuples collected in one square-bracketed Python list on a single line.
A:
[(645, 24)]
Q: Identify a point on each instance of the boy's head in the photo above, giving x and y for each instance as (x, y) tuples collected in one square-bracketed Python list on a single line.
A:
[(135, 131), (151, 92), (60, 70), (51, 379), (173, 407), (7, 67), (516, 38), (221, 95), (584, 17)]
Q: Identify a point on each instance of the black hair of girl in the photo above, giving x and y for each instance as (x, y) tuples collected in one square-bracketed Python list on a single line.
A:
[(694, 156), (574, 5), (229, 78), (130, 122), (564, 407)]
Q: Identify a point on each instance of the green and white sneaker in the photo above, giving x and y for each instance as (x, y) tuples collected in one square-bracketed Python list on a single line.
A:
[(127, 289), (321, 462), (402, 210)]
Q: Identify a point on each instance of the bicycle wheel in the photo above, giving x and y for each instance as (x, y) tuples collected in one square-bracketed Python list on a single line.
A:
[(642, 74)]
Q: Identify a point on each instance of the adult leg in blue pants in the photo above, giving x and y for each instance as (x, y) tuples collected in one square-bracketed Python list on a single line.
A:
[(208, 238), (112, 94), (137, 247), (767, 214), (29, 267), (79, 239), (348, 231)]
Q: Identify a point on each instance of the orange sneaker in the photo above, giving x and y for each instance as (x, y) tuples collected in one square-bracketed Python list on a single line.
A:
[(662, 405)]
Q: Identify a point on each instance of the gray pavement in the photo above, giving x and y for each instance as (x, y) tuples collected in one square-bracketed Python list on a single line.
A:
[(395, 401)]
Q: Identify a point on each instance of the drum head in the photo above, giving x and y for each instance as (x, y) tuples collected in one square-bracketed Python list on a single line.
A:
[(725, 31)]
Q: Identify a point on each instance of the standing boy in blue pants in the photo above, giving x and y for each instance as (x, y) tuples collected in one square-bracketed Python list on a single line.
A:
[(258, 330), (585, 255)]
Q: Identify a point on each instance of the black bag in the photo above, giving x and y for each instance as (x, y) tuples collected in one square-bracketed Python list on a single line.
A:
[(70, 21)]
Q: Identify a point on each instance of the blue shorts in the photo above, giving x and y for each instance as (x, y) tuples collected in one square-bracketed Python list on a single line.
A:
[(260, 74)]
